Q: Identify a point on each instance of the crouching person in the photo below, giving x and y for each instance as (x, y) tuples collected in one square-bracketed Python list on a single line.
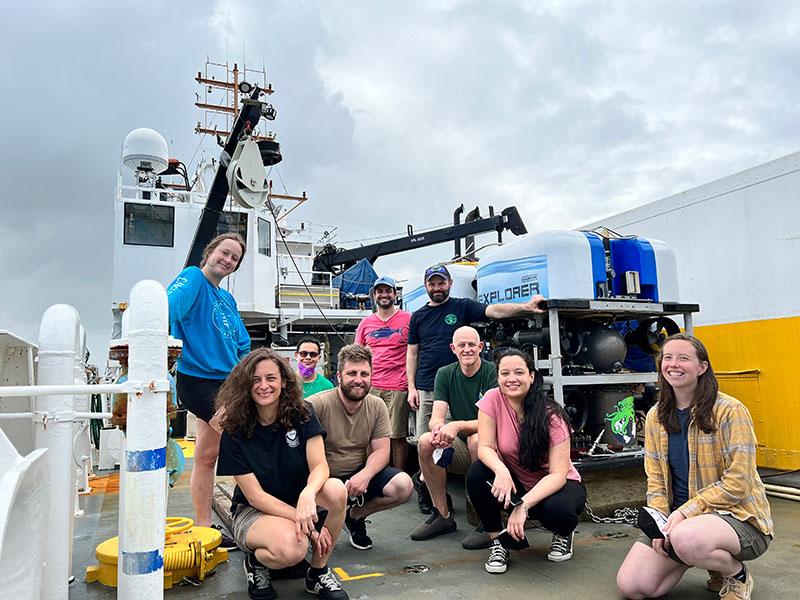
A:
[(357, 446), (524, 465), (700, 458), (272, 444)]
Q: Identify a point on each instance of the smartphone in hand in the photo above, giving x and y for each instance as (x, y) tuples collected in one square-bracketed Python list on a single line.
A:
[(515, 501), (509, 543)]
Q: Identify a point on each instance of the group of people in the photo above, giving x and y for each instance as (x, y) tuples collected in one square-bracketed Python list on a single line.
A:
[(310, 459)]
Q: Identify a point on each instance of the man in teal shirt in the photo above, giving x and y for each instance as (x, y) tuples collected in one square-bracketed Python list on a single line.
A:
[(308, 355), (457, 387)]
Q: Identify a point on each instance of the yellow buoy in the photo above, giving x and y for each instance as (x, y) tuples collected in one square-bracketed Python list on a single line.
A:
[(188, 552)]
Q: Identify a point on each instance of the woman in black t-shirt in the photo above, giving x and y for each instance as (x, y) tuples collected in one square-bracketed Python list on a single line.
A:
[(272, 444)]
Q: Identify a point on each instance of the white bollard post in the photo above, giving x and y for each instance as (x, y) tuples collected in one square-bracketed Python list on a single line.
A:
[(140, 571), (58, 337)]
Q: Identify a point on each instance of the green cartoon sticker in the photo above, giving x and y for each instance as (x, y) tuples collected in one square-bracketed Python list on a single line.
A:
[(623, 423)]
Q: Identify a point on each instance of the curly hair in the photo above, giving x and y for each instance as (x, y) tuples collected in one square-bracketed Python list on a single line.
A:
[(538, 410), (212, 245), (239, 413), (705, 394)]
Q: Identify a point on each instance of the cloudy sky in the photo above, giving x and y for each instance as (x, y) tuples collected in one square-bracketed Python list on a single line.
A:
[(389, 113)]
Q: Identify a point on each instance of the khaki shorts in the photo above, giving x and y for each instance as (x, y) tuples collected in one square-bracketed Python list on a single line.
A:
[(243, 518), (398, 407), (424, 412), (752, 541)]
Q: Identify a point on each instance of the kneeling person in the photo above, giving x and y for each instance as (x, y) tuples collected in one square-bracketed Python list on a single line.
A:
[(357, 446), (272, 445), (457, 386)]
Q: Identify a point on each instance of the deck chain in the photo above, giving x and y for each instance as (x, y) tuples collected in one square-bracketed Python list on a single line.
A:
[(621, 515)]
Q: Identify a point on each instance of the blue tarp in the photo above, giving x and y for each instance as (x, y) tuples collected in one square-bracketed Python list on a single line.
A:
[(358, 279)]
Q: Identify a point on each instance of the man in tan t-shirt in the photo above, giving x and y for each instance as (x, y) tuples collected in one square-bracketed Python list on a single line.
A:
[(357, 443)]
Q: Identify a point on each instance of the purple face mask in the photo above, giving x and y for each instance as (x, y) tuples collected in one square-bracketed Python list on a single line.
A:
[(305, 372)]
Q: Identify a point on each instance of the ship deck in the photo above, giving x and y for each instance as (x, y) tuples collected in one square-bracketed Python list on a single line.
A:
[(398, 567)]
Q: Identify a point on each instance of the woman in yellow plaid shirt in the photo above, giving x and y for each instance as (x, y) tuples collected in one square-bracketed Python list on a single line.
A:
[(700, 459)]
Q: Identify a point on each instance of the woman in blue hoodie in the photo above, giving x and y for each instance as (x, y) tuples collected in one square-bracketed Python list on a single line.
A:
[(206, 318)]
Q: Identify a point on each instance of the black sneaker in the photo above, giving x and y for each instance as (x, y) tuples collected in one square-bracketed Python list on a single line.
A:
[(561, 547), (498, 558), (259, 586), (326, 586), (227, 542), (423, 495), (357, 528)]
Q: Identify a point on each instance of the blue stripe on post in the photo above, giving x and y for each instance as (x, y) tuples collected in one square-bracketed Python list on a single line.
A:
[(146, 460), (141, 563)]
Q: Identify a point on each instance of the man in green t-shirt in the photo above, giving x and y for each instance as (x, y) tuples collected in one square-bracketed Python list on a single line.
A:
[(308, 355), (457, 387)]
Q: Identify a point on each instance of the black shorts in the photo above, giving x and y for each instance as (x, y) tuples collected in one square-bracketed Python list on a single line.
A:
[(376, 484), (197, 394)]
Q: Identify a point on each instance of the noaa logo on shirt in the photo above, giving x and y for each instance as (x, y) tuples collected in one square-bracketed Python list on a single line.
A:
[(224, 319), (291, 438), (450, 319)]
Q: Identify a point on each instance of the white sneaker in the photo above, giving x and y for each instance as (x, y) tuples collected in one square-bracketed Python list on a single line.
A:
[(561, 547), (498, 558)]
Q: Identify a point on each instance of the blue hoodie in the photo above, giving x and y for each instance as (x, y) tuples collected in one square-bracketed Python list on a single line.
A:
[(207, 320)]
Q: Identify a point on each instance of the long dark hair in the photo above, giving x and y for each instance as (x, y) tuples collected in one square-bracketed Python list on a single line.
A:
[(705, 394), (239, 410), (538, 410)]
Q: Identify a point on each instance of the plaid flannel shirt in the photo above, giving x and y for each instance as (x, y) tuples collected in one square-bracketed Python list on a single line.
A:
[(722, 467)]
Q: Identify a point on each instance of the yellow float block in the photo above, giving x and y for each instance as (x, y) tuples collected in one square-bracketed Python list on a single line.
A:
[(189, 551)]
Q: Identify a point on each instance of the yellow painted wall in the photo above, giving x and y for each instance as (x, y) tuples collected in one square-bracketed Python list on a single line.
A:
[(757, 362)]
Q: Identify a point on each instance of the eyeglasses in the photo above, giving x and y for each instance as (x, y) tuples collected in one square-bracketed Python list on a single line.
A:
[(435, 269), (304, 353)]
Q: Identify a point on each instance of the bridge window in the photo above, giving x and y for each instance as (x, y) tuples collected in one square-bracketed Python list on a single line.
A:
[(149, 225), (264, 235), (233, 222)]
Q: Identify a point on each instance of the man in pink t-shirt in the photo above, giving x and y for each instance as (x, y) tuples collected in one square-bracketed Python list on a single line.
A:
[(386, 334)]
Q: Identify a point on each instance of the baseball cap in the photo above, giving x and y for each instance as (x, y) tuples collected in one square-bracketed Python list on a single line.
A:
[(385, 281), (437, 269)]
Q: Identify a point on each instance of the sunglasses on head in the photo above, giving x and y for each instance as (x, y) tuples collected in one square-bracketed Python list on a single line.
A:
[(436, 269), (304, 353)]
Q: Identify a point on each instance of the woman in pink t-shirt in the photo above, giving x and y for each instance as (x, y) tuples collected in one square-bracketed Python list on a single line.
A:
[(523, 464)]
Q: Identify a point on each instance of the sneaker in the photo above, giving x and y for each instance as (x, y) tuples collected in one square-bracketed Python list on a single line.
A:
[(561, 547), (326, 586), (259, 586), (357, 528), (477, 539), (435, 525), (423, 495), (498, 558), (733, 589), (227, 542), (715, 581), (297, 571)]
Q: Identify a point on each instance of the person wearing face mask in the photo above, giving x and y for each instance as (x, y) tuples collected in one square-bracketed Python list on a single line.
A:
[(308, 355), (206, 318)]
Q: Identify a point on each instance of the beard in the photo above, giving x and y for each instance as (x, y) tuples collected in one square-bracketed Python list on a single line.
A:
[(384, 302), (352, 393), (439, 296)]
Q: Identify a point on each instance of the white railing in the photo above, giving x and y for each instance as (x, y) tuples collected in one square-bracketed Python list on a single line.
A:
[(143, 475)]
